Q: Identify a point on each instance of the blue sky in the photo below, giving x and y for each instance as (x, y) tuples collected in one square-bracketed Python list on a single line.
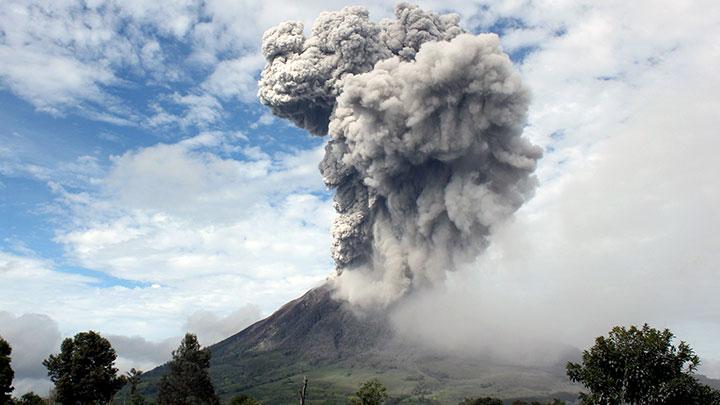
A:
[(143, 187)]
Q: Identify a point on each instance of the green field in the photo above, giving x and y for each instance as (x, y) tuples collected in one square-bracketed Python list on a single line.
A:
[(275, 378)]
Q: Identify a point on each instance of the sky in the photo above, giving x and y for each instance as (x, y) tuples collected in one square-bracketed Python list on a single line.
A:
[(144, 191)]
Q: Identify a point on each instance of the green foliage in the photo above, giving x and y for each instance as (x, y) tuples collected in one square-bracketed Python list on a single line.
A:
[(244, 400), (188, 382), (482, 401), (83, 371), (552, 402), (6, 372), (371, 392), (640, 366), (133, 379), (29, 398)]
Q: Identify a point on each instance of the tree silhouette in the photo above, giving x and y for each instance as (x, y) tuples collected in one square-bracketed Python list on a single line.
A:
[(133, 379), (6, 372), (84, 370), (188, 381)]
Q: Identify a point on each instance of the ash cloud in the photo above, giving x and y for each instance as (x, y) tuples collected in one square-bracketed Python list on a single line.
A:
[(426, 152)]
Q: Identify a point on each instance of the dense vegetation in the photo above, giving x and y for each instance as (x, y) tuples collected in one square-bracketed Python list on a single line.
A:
[(188, 382), (640, 366), (84, 371), (629, 366)]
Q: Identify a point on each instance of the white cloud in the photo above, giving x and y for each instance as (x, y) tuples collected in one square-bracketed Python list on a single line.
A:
[(25, 279), (236, 78), (73, 56), (52, 82), (69, 56), (199, 110), (60, 55), (193, 225), (203, 227)]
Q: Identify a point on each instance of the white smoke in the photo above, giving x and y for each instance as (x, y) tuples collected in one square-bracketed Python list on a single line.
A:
[(427, 153)]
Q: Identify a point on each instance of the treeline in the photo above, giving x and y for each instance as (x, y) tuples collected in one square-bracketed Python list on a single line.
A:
[(84, 372), (629, 366)]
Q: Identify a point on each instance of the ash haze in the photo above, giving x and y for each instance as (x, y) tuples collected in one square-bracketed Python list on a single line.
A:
[(145, 190)]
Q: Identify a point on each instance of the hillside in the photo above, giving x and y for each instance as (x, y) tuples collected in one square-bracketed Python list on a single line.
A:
[(318, 336)]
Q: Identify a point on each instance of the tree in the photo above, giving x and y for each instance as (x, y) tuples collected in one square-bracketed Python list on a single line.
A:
[(29, 398), (188, 382), (84, 370), (640, 366), (6, 372), (133, 378), (244, 400), (371, 392)]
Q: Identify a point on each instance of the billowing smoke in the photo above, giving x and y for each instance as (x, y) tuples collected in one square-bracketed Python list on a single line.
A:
[(426, 152)]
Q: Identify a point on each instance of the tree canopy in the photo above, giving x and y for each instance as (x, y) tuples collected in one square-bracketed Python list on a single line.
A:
[(640, 366), (84, 370), (371, 392), (188, 380), (6, 372), (29, 398), (133, 379), (244, 400)]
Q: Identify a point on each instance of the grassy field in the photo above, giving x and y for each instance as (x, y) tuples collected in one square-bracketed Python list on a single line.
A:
[(275, 379), (409, 381)]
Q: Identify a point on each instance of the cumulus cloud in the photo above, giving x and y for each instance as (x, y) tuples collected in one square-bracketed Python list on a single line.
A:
[(22, 275), (176, 228), (63, 56), (235, 78), (170, 229), (201, 214), (73, 57), (426, 151)]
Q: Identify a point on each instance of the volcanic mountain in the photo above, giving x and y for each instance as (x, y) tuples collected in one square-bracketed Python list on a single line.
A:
[(337, 349)]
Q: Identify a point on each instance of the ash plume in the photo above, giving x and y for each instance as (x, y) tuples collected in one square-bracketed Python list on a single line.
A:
[(426, 152)]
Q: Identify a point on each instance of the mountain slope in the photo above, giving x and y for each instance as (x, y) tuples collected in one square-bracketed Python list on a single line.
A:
[(320, 337)]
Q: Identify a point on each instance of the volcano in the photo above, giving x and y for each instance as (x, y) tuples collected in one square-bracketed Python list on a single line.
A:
[(337, 349)]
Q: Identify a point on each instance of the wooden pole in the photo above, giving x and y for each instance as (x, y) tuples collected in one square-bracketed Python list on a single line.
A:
[(303, 391)]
